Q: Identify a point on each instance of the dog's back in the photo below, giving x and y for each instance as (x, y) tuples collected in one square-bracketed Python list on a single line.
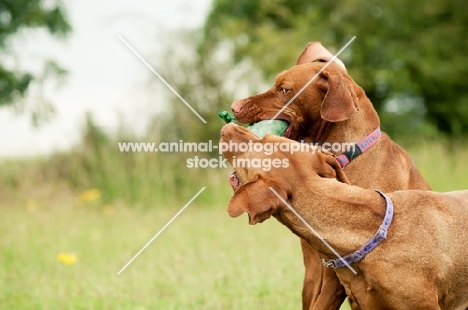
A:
[(434, 228)]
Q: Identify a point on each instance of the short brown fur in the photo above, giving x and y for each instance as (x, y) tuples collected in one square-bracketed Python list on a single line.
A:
[(332, 109), (421, 265)]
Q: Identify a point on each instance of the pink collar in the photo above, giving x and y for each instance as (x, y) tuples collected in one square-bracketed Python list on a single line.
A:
[(360, 147)]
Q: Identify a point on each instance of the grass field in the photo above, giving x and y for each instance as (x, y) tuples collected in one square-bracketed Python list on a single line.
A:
[(62, 249), (204, 260)]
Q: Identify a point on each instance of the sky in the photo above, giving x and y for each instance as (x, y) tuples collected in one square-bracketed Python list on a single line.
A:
[(105, 77)]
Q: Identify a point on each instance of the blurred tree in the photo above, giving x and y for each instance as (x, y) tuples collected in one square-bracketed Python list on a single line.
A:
[(16, 15), (203, 74), (411, 49)]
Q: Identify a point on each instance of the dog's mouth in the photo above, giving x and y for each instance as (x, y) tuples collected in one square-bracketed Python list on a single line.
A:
[(287, 133), (234, 181)]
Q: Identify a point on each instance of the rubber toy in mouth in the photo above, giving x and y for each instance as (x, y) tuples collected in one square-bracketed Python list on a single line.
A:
[(275, 127)]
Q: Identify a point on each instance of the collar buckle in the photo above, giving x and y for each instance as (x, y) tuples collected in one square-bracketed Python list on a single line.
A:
[(328, 263)]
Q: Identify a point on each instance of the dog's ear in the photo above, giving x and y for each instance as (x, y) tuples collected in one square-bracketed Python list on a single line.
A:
[(256, 199), (340, 100), (328, 167), (315, 51)]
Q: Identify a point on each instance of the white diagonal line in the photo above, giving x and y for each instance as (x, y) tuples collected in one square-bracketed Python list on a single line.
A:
[(161, 230), (313, 78), (162, 79), (314, 231)]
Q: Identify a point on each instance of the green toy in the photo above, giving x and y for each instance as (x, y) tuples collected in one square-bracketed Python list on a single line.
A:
[(226, 116), (276, 127)]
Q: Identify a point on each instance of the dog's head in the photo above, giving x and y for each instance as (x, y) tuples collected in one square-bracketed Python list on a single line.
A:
[(332, 96), (258, 170)]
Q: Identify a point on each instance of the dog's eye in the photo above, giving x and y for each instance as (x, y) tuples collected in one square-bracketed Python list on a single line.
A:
[(284, 91)]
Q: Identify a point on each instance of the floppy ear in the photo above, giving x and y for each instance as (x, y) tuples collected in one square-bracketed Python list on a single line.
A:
[(315, 51), (341, 100), (329, 167), (256, 199)]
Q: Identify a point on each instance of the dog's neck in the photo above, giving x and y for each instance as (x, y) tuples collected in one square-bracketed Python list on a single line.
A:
[(345, 216), (355, 128)]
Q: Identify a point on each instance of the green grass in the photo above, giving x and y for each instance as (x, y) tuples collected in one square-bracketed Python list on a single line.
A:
[(444, 167), (203, 260)]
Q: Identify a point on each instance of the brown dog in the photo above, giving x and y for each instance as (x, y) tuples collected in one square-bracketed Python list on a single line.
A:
[(421, 265), (332, 109)]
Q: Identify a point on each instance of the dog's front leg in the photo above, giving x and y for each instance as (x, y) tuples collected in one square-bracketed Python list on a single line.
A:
[(322, 289)]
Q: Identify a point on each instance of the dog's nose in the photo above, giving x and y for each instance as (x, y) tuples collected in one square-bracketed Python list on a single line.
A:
[(226, 128), (237, 106)]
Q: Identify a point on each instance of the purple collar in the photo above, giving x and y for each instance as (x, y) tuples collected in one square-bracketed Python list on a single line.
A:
[(360, 147), (370, 245)]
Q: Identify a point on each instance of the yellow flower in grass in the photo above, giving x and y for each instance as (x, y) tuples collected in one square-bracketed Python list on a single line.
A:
[(90, 195), (31, 206), (67, 258)]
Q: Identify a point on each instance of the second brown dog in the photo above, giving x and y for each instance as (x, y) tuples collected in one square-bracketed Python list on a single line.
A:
[(421, 265)]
